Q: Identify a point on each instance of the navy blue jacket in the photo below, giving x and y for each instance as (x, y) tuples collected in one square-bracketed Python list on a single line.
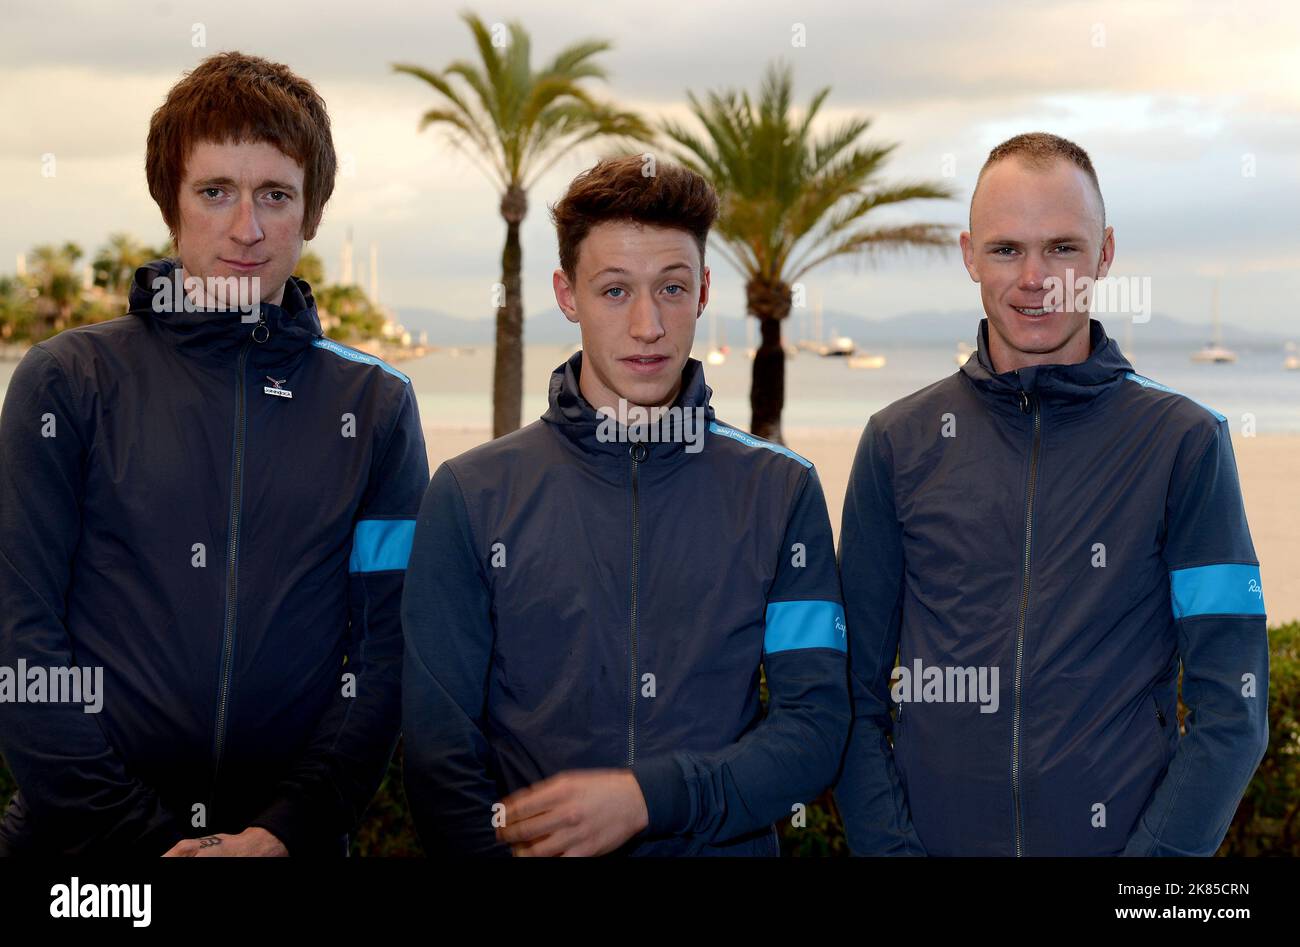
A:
[(225, 554), (1081, 529), (575, 601)]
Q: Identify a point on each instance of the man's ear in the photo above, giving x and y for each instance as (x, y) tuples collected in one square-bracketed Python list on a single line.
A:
[(1107, 252), (564, 294), (968, 255), (704, 293)]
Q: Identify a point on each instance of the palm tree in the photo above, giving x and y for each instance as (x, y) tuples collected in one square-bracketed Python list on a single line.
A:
[(55, 275), (16, 310), (791, 202), (519, 122), (117, 261)]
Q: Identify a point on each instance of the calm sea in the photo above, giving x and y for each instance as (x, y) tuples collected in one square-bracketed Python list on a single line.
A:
[(826, 393), (454, 387)]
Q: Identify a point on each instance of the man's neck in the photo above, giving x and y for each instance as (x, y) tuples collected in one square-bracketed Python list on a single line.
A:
[(1078, 348), (599, 396), (198, 296)]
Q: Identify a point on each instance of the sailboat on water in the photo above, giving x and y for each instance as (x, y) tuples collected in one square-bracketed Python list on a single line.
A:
[(1214, 352)]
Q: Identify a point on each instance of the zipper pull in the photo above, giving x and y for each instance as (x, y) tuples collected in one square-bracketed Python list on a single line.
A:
[(261, 332), (1159, 713), (1024, 402)]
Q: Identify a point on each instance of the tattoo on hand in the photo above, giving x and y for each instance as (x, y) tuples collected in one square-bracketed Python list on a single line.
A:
[(209, 841)]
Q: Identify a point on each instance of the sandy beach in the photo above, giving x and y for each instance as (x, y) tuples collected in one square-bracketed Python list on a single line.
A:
[(1272, 502)]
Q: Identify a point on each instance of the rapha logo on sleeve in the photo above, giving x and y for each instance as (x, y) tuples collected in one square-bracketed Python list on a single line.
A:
[(74, 899)]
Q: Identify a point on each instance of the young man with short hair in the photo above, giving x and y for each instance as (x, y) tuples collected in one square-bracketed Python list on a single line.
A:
[(590, 599), (1048, 514), (213, 504)]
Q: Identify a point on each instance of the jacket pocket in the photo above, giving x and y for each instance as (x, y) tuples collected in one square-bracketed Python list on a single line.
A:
[(1161, 729)]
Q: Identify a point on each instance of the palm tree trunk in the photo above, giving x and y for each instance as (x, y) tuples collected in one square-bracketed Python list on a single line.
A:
[(508, 368), (770, 304)]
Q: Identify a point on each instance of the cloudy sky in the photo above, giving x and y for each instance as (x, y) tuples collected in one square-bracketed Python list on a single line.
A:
[(1190, 112)]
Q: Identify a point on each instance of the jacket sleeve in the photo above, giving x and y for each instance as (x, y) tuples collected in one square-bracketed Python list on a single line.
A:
[(791, 755), (869, 794), (1218, 608), (76, 790), (332, 782), (448, 769)]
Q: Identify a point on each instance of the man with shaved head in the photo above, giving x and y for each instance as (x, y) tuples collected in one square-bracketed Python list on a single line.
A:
[(1041, 542)]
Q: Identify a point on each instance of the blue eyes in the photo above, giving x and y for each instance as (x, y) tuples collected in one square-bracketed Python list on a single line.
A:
[(620, 289)]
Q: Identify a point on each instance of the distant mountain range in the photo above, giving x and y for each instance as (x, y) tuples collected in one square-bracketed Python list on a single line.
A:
[(913, 328)]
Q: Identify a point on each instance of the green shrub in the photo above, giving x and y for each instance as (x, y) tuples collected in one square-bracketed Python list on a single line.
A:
[(1267, 821)]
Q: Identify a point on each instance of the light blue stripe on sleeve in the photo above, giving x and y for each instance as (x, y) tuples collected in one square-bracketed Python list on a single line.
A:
[(808, 624), (1228, 588), (750, 440), (352, 355), (381, 545), (1148, 383)]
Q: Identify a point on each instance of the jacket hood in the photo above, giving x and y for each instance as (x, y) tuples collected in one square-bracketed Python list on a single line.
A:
[(286, 330), (1067, 388), (571, 415)]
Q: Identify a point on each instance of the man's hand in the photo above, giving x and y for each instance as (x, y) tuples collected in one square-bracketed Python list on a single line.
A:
[(581, 812), (252, 843)]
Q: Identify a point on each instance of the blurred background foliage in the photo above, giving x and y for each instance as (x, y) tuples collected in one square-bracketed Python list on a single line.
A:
[(60, 290)]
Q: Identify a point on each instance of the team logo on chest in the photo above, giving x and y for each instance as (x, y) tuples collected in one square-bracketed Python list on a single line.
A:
[(275, 389)]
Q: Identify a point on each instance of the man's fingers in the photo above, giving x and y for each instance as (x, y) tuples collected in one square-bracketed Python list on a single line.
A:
[(532, 801), (557, 843), (539, 826), (207, 845)]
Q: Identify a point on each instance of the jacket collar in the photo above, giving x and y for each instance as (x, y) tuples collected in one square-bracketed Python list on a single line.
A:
[(572, 416), (1067, 389), (286, 330)]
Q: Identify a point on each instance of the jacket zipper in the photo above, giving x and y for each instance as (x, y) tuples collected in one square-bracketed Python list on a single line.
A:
[(232, 554), (1027, 403), (638, 453), (1160, 714)]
